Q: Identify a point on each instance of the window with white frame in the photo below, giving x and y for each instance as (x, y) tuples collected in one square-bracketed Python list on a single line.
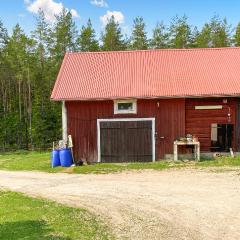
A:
[(125, 106)]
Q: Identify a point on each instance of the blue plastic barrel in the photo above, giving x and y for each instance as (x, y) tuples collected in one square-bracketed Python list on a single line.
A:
[(55, 158), (66, 157)]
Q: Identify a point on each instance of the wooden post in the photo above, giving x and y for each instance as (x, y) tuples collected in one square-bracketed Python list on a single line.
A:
[(64, 123), (195, 151), (175, 151), (198, 151)]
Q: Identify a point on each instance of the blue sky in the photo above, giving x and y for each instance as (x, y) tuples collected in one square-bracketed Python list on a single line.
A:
[(198, 12)]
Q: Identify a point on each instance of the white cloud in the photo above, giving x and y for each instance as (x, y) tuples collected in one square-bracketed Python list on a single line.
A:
[(74, 13), (49, 7), (99, 3), (118, 16)]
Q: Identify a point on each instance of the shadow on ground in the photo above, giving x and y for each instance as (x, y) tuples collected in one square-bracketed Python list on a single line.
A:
[(28, 230)]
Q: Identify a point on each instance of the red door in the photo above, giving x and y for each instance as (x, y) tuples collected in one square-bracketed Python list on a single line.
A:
[(170, 124)]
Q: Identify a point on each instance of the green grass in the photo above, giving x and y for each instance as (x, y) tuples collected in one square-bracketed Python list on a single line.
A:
[(30, 161), (23, 217), (119, 167), (25, 160), (220, 162)]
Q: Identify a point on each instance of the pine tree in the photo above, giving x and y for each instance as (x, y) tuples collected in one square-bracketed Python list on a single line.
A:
[(220, 32), (194, 38), (43, 47), (139, 35), (180, 33), (64, 35), (237, 36), (112, 38), (204, 38), (42, 35), (3, 35), (87, 39), (159, 39), (45, 73), (216, 33)]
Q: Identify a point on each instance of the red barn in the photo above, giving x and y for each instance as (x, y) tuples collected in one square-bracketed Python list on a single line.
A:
[(132, 105)]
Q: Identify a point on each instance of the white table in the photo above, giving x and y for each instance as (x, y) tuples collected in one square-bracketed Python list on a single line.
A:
[(181, 143)]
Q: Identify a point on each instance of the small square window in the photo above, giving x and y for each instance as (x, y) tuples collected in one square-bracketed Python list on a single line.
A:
[(125, 106)]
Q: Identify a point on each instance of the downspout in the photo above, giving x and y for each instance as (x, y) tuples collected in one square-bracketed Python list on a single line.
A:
[(64, 122)]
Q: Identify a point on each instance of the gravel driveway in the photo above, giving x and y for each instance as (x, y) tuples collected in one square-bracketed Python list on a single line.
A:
[(171, 204)]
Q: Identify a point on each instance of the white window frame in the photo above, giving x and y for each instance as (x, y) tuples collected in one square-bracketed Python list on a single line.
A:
[(125, 120), (133, 111)]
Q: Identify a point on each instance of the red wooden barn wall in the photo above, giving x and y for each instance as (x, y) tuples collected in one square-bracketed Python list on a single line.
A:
[(198, 122), (83, 115)]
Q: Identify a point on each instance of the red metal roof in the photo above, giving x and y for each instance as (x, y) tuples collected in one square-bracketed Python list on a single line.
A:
[(149, 74)]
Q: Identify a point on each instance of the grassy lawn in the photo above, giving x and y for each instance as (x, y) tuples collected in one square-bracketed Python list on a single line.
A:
[(23, 217), (220, 162), (26, 161), (41, 162)]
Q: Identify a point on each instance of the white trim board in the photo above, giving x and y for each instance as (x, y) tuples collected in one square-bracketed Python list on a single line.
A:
[(64, 122), (208, 107), (125, 120)]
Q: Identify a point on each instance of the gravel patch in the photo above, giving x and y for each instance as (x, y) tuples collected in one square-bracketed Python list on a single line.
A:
[(170, 204)]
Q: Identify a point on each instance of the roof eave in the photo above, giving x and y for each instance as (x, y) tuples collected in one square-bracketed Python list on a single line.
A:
[(148, 97)]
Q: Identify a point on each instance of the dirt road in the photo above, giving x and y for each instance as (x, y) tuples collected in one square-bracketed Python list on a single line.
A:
[(172, 204)]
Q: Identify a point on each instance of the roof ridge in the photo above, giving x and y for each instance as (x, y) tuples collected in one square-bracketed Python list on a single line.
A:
[(158, 50)]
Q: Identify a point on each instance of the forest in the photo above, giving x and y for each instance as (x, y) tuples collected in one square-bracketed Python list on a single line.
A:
[(29, 65)]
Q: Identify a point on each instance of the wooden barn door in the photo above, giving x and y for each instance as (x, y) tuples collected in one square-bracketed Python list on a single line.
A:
[(170, 124), (126, 141)]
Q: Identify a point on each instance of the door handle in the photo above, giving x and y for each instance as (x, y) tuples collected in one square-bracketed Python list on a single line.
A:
[(162, 137)]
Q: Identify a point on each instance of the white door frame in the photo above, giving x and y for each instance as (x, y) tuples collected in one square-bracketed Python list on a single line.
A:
[(125, 120)]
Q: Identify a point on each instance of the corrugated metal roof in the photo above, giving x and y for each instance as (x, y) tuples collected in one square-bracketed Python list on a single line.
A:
[(149, 74)]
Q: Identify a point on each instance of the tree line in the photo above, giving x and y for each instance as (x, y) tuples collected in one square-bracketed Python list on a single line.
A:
[(29, 66)]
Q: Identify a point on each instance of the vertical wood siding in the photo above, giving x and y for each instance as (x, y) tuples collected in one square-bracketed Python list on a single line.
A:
[(237, 126), (83, 115), (198, 122), (170, 124)]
